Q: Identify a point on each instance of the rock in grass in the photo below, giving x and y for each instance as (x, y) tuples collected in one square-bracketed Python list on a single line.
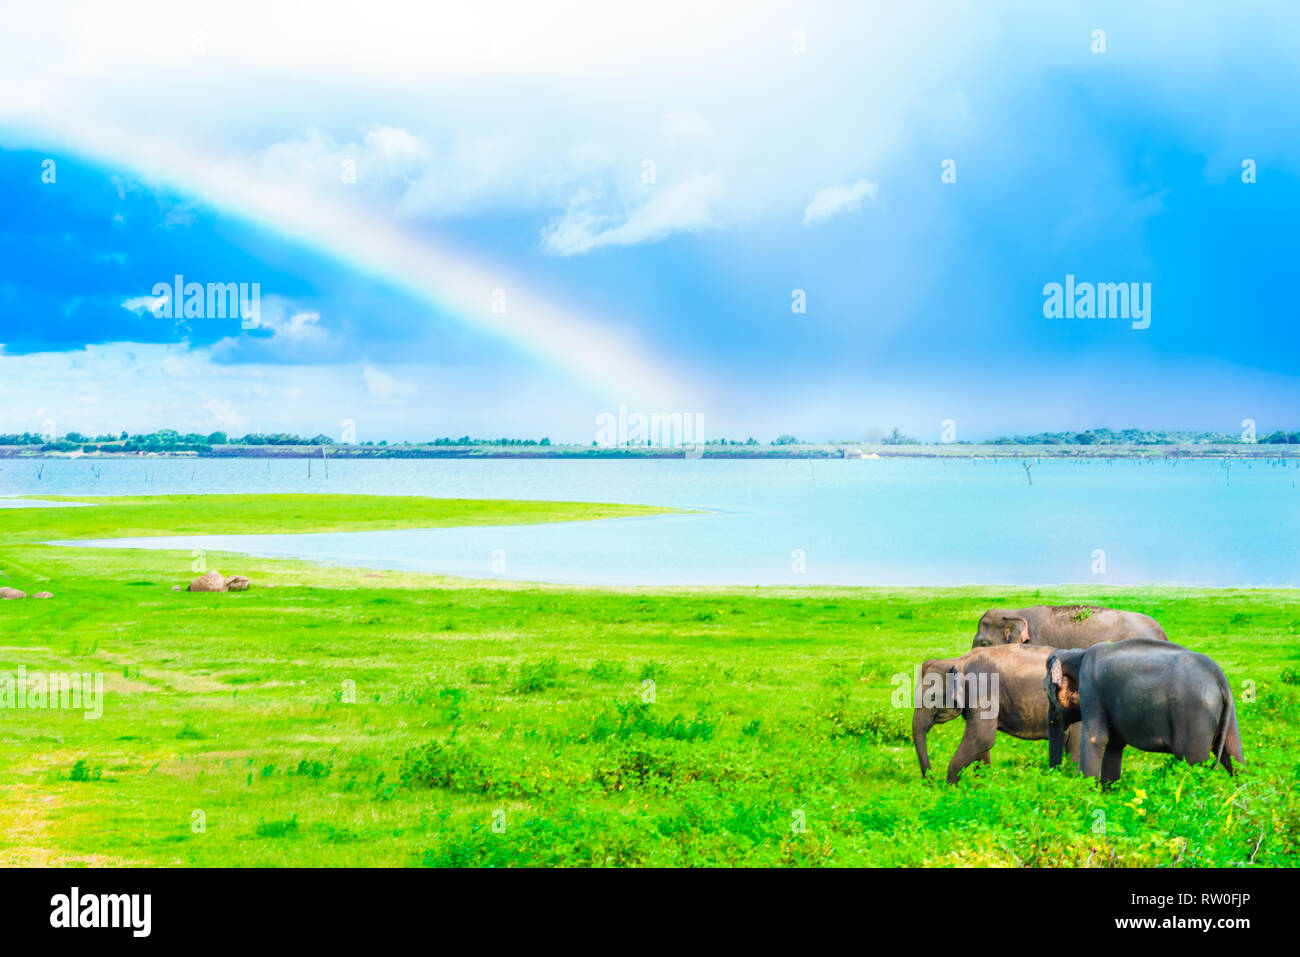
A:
[(215, 581), (9, 594), (44, 594), (212, 581)]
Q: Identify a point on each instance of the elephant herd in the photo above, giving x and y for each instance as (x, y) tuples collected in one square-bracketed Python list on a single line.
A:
[(1087, 679)]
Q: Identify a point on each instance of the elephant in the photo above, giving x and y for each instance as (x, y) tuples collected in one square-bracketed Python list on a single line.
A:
[(1152, 695), (1063, 626), (994, 689)]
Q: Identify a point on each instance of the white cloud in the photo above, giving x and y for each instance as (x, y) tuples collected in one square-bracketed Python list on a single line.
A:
[(381, 385), (142, 304), (686, 207), (176, 367), (395, 147), (385, 155), (223, 413), (296, 335), (598, 355), (293, 325), (545, 112), (507, 110), (106, 388), (686, 127), (507, 107), (834, 200)]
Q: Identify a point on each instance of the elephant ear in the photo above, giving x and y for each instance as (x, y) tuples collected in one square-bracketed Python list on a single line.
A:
[(1015, 629), (1067, 689)]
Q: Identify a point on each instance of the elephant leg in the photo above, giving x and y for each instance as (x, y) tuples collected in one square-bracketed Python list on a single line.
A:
[(1072, 735), (975, 745), (1093, 739), (1195, 737), (1111, 760)]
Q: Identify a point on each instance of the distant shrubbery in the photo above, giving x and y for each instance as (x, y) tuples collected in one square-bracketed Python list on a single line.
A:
[(169, 440), (1136, 437)]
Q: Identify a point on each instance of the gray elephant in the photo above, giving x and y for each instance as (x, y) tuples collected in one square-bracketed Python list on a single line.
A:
[(994, 689), (1151, 695), (1063, 626)]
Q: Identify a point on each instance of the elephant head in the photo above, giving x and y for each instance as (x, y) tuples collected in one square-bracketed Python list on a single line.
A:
[(936, 701), (1000, 627), (1062, 686)]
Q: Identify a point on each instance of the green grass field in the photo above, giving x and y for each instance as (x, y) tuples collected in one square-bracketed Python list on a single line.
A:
[(334, 716)]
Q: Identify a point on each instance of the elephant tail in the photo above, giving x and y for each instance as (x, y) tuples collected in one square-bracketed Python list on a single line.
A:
[(1227, 739), (1221, 735)]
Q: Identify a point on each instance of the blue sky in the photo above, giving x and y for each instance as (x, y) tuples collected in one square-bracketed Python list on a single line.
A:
[(504, 150)]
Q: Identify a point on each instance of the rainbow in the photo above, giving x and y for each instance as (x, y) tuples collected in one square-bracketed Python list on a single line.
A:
[(609, 363)]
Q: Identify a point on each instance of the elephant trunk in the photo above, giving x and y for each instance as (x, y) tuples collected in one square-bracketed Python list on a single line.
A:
[(923, 719), (1055, 737)]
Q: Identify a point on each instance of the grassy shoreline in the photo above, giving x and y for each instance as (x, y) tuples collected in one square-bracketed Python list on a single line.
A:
[(342, 716), (135, 516)]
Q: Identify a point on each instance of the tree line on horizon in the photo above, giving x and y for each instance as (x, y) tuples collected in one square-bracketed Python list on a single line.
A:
[(170, 440)]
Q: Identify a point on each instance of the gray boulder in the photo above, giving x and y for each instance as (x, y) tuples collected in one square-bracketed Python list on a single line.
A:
[(215, 581), (211, 581)]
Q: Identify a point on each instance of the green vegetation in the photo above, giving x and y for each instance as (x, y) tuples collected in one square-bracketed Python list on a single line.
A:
[(334, 716), (1130, 437), (171, 442), (143, 515)]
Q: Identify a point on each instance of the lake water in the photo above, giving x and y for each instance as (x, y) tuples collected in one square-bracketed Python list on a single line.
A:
[(38, 503), (886, 522)]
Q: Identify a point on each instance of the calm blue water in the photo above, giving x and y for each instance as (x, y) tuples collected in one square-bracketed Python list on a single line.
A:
[(892, 522)]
